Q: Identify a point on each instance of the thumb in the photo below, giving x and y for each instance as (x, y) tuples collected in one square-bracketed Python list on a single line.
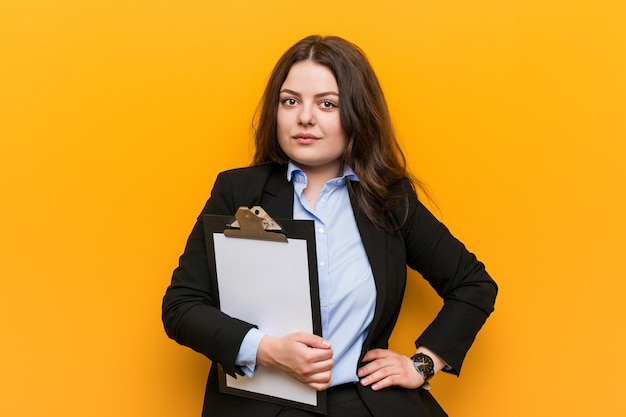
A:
[(312, 340)]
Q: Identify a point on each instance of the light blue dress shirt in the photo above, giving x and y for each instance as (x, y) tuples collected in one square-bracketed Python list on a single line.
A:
[(346, 282)]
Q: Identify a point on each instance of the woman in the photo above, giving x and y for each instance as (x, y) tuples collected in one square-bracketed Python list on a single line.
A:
[(326, 151)]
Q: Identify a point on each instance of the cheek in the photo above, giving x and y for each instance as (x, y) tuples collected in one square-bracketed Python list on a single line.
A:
[(282, 120), (281, 126), (338, 131), (334, 123), (281, 129)]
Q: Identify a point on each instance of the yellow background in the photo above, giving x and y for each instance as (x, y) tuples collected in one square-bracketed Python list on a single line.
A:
[(117, 115)]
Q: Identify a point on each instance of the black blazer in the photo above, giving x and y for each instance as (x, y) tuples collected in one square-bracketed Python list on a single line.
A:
[(422, 243)]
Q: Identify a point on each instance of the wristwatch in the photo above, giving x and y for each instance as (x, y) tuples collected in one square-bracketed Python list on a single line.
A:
[(424, 365)]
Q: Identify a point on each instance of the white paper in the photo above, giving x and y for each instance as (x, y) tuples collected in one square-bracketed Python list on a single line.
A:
[(267, 284)]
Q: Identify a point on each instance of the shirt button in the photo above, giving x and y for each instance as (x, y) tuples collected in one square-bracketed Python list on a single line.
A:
[(322, 303), (321, 230), (322, 263)]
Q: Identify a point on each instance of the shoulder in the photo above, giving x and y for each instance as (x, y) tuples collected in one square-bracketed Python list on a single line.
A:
[(402, 200), (251, 171), (244, 186), (252, 177)]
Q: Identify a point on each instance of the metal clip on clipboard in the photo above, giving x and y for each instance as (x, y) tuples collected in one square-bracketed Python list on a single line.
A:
[(255, 223)]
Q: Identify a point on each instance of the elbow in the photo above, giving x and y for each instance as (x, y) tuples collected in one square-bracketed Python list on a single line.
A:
[(172, 318), (480, 294), (491, 293)]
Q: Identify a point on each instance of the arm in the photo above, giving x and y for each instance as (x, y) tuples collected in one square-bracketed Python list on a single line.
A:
[(458, 277), (467, 290), (189, 314)]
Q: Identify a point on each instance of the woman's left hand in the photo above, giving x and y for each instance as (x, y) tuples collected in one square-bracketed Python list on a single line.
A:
[(386, 368)]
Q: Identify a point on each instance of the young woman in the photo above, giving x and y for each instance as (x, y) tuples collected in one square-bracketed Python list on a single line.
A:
[(326, 151)]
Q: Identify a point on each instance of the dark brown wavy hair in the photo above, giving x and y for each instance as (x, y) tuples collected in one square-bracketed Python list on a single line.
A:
[(372, 151)]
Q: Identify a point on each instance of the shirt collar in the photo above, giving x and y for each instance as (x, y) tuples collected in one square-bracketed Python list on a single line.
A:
[(295, 173)]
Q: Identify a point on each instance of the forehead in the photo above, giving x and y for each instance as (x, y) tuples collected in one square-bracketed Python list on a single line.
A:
[(309, 76)]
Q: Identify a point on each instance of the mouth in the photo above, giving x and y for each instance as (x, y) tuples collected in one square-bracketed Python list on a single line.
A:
[(305, 138)]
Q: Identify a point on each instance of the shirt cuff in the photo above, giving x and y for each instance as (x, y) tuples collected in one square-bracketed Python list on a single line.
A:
[(246, 358)]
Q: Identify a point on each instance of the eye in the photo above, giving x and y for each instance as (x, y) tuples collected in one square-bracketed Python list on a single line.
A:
[(328, 104), (289, 101)]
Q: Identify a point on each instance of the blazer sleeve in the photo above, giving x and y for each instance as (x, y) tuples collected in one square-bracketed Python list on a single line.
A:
[(189, 312), (467, 290)]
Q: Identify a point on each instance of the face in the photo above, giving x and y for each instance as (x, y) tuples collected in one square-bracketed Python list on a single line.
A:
[(308, 123)]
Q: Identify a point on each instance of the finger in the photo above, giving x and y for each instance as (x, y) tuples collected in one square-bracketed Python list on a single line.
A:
[(318, 381), (313, 355), (368, 369), (374, 365), (312, 340), (311, 368), (320, 386), (315, 370), (382, 378), (373, 372), (374, 376), (319, 378), (374, 354), (385, 382)]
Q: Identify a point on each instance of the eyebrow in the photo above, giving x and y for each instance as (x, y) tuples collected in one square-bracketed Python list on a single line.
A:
[(295, 93)]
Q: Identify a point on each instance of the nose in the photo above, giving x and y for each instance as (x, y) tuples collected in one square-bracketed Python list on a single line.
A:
[(306, 117)]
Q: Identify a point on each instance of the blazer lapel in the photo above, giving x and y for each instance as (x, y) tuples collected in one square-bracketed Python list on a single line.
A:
[(277, 199), (374, 241)]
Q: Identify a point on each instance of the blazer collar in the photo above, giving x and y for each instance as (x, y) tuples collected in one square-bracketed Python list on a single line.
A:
[(277, 199)]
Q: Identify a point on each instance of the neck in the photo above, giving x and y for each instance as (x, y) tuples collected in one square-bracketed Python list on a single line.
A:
[(317, 177), (321, 175)]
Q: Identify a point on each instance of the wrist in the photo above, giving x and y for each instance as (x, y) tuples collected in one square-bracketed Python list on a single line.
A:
[(424, 365), (264, 352), (437, 360)]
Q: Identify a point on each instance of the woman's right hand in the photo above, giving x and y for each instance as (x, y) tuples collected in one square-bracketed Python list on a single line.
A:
[(305, 357)]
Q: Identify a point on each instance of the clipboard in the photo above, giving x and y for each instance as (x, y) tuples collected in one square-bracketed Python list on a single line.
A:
[(265, 273)]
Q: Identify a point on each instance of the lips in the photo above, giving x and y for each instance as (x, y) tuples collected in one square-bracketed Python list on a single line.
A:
[(305, 138)]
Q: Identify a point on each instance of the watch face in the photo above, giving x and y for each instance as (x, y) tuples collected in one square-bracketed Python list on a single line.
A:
[(424, 365), (427, 366)]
